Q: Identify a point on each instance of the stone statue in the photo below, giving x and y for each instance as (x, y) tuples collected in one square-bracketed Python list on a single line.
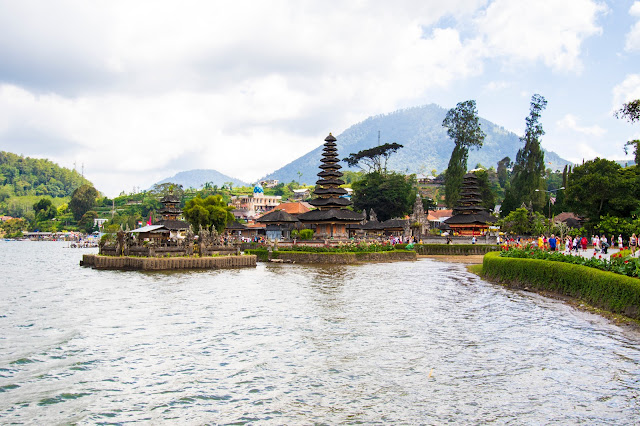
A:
[(372, 215), (120, 242)]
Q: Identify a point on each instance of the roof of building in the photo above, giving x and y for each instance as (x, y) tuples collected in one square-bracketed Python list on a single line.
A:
[(294, 208), (149, 228), (482, 217), (276, 216), (562, 217), (235, 226), (173, 225), (331, 214), (170, 198), (441, 213)]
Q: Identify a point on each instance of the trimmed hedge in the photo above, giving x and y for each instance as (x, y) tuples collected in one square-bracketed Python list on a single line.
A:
[(261, 253), (454, 249), (333, 257), (607, 290)]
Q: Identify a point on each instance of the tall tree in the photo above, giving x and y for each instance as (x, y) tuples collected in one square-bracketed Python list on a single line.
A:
[(82, 200), (463, 126), (529, 170), (375, 159), (503, 171)]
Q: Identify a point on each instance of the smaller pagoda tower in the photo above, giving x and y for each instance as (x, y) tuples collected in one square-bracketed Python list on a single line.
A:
[(170, 213), (469, 217)]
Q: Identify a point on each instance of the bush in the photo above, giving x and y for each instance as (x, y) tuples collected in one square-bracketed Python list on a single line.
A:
[(614, 292), (306, 234)]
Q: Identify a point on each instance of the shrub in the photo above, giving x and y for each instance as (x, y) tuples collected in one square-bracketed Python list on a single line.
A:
[(306, 234), (611, 291)]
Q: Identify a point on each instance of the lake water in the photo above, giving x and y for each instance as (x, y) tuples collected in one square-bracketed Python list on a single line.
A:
[(416, 343)]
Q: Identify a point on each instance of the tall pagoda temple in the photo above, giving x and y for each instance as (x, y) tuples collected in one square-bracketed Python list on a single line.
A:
[(469, 217), (331, 218)]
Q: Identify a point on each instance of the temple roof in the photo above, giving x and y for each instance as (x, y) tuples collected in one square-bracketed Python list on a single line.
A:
[(482, 217), (330, 191), (173, 225), (276, 216), (169, 198), (332, 214), (235, 226), (323, 202), (336, 182)]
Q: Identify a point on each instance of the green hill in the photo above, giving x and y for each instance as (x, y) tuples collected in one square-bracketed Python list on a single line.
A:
[(28, 179), (426, 144)]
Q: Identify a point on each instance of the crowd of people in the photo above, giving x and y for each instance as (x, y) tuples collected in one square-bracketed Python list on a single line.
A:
[(599, 243)]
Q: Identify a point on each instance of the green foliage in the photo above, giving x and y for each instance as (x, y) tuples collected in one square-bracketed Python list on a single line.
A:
[(529, 169), (600, 187), (463, 126), (614, 225), (306, 234), (629, 111), (44, 210), (211, 212), (611, 291), (374, 158), (390, 195), (503, 171), (13, 228), (523, 222), (636, 152), (486, 192), (86, 221), (83, 199), (30, 176)]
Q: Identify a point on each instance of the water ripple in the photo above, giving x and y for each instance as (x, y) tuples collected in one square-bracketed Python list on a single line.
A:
[(421, 342)]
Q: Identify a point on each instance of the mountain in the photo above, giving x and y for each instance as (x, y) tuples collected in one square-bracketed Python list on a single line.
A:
[(197, 178), (426, 145)]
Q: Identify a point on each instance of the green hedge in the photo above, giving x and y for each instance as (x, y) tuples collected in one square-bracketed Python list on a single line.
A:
[(261, 253), (613, 292), (454, 249)]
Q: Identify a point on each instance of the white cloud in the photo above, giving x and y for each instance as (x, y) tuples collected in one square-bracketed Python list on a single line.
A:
[(570, 122), (137, 96), (626, 91), (548, 30), (633, 37)]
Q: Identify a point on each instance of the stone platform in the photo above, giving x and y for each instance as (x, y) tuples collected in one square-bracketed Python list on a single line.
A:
[(167, 263)]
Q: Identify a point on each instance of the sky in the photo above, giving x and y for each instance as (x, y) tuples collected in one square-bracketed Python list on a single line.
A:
[(134, 92)]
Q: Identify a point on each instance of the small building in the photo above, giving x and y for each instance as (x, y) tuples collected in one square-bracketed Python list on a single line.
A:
[(255, 204), (279, 224), (294, 208), (301, 194)]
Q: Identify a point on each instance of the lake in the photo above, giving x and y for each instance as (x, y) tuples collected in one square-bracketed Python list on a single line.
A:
[(421, 342)]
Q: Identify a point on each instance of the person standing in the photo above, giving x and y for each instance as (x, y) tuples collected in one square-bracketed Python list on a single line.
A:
[(633, 243), (552, 243), (620, 242)]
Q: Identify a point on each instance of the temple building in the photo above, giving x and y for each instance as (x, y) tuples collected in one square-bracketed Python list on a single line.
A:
[(331, 218), (171, 213), (469, 217)]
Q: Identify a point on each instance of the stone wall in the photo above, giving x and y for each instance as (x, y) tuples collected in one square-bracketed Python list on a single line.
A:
[(166, 263), (345, 258)]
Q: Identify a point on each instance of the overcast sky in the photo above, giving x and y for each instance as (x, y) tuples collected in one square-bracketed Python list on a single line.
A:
[(139, 90)]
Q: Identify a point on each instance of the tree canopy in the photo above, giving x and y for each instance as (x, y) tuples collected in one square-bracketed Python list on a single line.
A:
[(211, 212), (463, 126), (629, 111), (528, 169), (83, 199), (390, 195), (600, 187), (375, 159)]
